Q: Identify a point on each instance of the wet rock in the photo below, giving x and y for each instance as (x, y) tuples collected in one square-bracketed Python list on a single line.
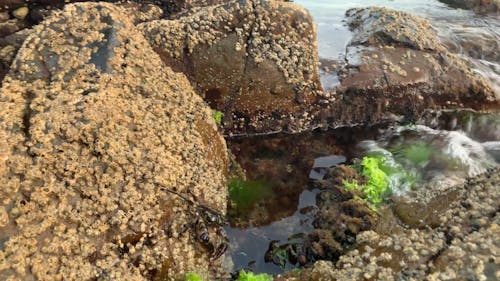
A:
[(479, 6), (415, 213), (397, 68), (463, 246), (340, 217), (255, 60), (105, 155), (476, 42)]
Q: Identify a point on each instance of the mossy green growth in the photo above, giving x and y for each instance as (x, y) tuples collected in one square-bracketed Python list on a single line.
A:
[(245, 193), (218, 116), (192, 277), (249, 276), (377, 185)]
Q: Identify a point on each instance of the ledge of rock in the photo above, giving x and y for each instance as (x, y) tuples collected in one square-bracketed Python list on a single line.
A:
[(254, 60), (94, 132), (397, 68)]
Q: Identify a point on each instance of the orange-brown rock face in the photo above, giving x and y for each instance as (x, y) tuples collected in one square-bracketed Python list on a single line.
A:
[(255, 60), (94, 131)]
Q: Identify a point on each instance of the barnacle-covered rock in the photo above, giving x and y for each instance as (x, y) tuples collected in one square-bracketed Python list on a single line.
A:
[(255, 60), (397, 68), (95, 131)]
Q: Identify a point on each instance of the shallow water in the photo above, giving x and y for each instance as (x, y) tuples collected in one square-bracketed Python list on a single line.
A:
[(468, 144)]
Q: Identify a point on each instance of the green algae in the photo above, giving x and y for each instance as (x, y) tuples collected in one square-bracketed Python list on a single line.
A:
[(192, 277), (218, 116), (250, 276), (245, 193), (377, 185)]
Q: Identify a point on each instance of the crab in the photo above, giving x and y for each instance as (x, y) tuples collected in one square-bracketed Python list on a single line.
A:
[(208, 217), (204, 217)]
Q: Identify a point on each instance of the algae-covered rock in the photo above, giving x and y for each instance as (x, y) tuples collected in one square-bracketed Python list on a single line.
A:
[(94, 132), (255, 60)]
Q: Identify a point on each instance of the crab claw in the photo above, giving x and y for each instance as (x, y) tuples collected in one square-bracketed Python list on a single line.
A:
[(221, 249)]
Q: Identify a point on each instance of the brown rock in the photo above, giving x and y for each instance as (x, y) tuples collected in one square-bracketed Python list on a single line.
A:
[(11, 26), (11, 4), (479, 6), (4, 16), (397, 68), (255, 60), (94, 131)]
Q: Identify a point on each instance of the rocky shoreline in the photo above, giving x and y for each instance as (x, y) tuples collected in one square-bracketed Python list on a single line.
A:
[(463, 245), (113, 167)]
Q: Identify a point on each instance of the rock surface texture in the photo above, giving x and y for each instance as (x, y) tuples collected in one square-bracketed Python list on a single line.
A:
[(463, 245), (397, 68), (254, 60), (479, 6), (94, 132)]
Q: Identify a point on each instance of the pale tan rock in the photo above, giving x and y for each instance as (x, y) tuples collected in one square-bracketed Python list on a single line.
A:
[(20, 13)]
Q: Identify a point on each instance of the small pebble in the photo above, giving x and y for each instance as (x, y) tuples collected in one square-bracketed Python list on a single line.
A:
[(20, 13)]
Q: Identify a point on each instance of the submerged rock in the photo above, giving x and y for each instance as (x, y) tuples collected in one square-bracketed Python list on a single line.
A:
[(340, 217), (105, 156), (255, 60)]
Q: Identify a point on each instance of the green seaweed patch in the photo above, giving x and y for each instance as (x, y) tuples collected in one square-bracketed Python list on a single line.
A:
[(245, 193), (250, 276), (217, 116), (191, 276), (417, 153), (377, 184)]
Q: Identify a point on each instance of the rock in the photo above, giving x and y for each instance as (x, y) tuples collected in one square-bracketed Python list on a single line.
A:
[(341, 215), (9, 46), (11, 26), (11, 4), (476, 42), (255, 60), (464, 244), (20, 13), (142, 12), (106, 156), (383, 27), (479, 6), (4, 16), (397, 68), (176, 8)]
